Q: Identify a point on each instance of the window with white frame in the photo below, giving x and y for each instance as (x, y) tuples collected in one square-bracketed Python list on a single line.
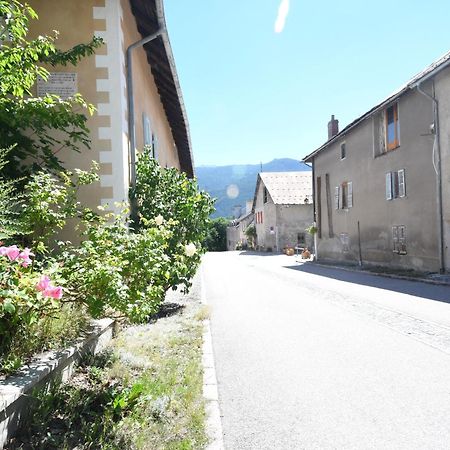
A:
[(343, 195), (399, 239), (395, 184)]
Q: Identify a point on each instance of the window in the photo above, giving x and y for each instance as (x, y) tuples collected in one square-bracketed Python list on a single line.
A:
[(343, 195), (301, 238), (392, 128), (147, 129), (265, 195), (343, 154), (395, 184), (259, 217), (399, 239)]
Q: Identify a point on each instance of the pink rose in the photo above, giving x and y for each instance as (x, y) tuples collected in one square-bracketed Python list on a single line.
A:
[(12, 252), (44, 283), (54, 292), (25, 257)]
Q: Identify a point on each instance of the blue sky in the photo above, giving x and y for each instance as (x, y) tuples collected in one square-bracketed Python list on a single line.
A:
[(254, 95)]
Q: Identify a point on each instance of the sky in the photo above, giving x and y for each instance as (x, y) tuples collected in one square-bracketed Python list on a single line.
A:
[(261, 78)]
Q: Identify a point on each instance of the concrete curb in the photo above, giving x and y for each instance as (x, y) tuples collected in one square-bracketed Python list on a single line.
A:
[(386, 275), (210, 391)]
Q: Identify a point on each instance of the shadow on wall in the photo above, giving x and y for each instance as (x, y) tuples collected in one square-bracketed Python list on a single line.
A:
[(428, 291)]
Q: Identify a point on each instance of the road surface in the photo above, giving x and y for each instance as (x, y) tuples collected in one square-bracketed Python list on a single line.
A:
[(319, 358)]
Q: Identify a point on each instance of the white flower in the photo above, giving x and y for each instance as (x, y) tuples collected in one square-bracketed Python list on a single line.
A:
[(159, 220), (190, 249)]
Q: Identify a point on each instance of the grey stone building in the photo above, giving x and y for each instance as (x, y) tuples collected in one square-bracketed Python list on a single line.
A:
[(381, 185), (282, 208)]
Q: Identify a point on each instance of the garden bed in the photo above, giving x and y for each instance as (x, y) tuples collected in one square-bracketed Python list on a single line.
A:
[(16, 391)]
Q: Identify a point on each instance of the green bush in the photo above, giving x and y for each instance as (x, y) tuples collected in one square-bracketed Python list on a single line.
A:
[(169, 197)]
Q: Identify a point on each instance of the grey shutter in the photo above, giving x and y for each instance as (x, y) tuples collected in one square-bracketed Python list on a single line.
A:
[(401, 183), (389, 186), (336, 197), (349, 194)]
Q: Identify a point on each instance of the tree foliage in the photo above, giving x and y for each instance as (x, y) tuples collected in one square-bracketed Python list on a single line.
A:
[(27, 122), (216, 240)]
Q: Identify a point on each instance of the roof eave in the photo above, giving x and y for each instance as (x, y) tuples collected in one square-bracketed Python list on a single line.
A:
[(412, 84)]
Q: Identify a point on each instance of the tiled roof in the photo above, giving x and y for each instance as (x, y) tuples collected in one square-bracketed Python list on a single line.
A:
[(288, 188)]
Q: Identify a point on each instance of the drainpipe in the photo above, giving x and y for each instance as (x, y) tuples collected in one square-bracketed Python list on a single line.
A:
[(130, 95), (437, 168)]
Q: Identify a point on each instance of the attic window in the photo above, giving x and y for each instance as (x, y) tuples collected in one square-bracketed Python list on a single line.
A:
[(265, 195), (392, 128), (343, 151)]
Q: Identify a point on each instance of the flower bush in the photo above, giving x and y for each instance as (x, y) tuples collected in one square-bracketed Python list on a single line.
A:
[(25, 295)]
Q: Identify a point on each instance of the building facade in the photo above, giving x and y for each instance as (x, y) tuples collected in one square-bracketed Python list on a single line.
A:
[(381, 185), (282, 208), (159, 113)]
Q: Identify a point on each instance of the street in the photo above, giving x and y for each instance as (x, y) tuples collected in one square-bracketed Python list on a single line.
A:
[(320, 358)]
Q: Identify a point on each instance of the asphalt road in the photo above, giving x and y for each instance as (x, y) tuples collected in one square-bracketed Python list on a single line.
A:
[(314, 358)]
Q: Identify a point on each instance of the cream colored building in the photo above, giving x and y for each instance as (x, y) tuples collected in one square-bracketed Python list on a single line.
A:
[(159, 112)]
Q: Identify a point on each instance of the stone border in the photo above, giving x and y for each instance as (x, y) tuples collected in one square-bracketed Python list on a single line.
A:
[(210, 392), (16, 391)]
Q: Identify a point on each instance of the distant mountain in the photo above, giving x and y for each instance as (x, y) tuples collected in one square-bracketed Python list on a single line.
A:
[(221, 181)]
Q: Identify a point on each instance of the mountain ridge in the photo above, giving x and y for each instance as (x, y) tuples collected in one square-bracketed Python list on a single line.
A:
[(240, 181)]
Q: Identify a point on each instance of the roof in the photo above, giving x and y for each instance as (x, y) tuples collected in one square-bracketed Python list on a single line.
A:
[(430, 71), (149, 15), (286, 188), (236, 222)]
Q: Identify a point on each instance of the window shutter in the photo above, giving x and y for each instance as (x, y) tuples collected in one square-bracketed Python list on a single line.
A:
[(401, 183), (336, 197), (349, 194), (389, 186)]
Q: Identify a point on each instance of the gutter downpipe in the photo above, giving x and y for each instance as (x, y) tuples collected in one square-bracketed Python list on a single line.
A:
[(437, 146), (130, 98)]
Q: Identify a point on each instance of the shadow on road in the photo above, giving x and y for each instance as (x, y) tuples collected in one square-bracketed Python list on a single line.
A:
[(417, 288)]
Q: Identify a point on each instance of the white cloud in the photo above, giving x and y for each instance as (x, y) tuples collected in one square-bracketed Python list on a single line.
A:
[(283, 12)]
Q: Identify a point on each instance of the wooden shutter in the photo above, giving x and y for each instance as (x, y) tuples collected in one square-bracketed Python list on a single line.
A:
[(389, 186), (349, 194), (401, 183), (337, 196)]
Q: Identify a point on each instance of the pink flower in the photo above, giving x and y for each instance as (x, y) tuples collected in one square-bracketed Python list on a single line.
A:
[(44, 283), (3, 250), (12, 252), (54, 292), (25, 256)]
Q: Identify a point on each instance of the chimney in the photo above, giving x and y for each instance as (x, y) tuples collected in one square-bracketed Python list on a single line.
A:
[(333, 127)]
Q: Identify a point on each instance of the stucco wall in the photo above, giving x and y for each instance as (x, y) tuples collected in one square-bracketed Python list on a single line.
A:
[(376, 215), (101, 80), (146, 96), (292, 220), (442, 86), (76, 24)]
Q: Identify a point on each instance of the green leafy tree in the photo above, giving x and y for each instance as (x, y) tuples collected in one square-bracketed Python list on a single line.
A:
[(27, 123), (216, 240)]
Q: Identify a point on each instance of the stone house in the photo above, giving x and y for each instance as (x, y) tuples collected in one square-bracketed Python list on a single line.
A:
[(282, 208), (381, 185), (236, 231), (142, 108)]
